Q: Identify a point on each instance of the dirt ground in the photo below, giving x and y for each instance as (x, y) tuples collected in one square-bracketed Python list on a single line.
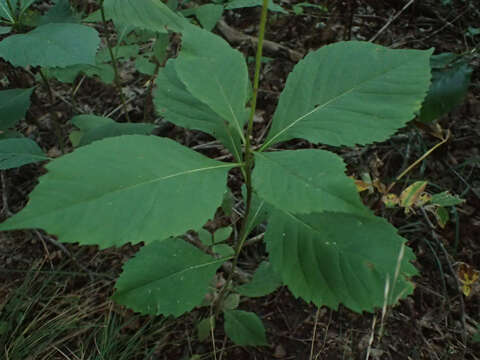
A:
[(437, 322)]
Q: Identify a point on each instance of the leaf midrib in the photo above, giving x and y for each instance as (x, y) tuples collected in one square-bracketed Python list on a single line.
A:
[(322, 106), (127, 188), (173, 274)]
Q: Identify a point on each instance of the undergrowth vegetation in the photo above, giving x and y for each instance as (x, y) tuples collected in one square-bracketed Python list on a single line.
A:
[(123, 184)]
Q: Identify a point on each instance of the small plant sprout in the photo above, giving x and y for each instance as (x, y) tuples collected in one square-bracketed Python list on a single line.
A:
[(323, 244)]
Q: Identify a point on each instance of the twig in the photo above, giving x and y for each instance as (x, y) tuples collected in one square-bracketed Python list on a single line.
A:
[(64, 249), (116, 73), (419, 160), (314, 335), (391, 20), (235, 36), (5, 208)]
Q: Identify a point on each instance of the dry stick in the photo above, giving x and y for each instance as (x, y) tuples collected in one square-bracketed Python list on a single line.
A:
[(116, 77), (47, 85), (63, 249), (419, 160), (235, 36), (372, 337), (374, 37), (5, 209), (314, 333)]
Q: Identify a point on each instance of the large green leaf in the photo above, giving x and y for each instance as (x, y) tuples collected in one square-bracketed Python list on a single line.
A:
[(222, 83), (332, 258), (179, 106), (351, 93), (145, 14), (115, 129), (16, 152), (124, 189), (54, 45), (244, 328), (450, 81), (61, 12), (14, 104), (305, 181), (168, 277)]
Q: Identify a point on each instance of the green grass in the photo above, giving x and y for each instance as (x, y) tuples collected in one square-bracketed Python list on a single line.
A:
[(49, 315)]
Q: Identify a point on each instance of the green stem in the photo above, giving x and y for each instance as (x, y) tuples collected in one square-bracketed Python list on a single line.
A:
[(47, 84), (12, 12), (117, 81), (249, 159)]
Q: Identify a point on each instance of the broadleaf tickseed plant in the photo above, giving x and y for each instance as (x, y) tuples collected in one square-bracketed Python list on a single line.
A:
[(322, 242)]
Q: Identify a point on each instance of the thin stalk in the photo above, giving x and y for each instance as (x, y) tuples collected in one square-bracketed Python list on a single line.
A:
[(47, 84), (248, 159), (118, 84), (12, 10)]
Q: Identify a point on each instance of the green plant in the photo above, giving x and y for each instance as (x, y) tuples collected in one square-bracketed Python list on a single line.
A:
[(12, 12), (323, 243), (450, 80)]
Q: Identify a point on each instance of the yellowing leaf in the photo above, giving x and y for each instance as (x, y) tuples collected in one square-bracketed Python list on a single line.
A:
[(390, 200), (411, 194), (467, 276), (362, 185)]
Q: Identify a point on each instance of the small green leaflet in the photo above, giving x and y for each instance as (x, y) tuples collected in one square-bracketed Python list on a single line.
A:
[(244, 328), (223, 83), (240, 4), (16, 152), (173, 101), (168, 277), (53, 45), (146, 14), (14, 103), (264, 282), (446, 199)]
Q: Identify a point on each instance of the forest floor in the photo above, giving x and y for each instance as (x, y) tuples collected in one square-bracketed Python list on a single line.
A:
[(58, 295)]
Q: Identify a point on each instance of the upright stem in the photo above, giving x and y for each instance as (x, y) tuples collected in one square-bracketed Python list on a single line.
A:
[(248, 160), (47, 84), (118, 84)]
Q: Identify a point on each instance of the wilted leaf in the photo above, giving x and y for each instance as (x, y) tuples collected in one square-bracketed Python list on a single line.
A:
[(411, 194)]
